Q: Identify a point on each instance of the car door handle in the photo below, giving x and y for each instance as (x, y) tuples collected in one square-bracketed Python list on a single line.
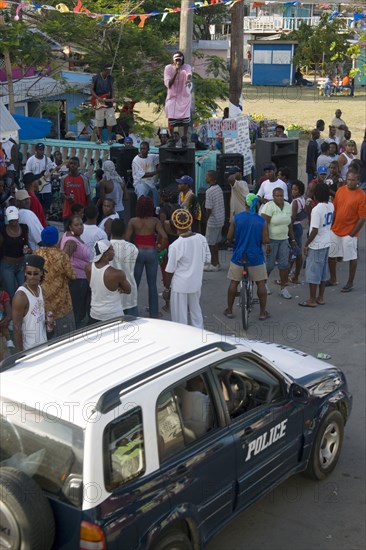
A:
[(179, 472)]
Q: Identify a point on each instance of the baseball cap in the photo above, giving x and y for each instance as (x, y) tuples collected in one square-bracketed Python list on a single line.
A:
[(164, 132), (100, 247), (269, 166), (22, 195), (128, 139), (107, 67), (40, 146), (322, 170), (32, 260), (185, 179), (12, 213)]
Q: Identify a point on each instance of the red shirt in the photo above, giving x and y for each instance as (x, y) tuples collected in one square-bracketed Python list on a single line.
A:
[(77, 186), (36, 207)]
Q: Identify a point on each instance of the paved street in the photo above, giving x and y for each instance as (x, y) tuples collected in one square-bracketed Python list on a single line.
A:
[(302, 514)]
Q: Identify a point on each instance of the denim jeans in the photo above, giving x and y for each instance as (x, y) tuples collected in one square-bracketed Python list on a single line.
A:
[(12, 276), (148, 258), (79, 291), (327, 89)]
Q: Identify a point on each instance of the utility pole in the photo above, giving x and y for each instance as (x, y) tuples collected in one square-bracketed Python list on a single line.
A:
[(186, 31), (9, 78), (236, 53)]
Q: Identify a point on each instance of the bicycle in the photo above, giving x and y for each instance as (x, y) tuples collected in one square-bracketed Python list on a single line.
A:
[(246, 297)]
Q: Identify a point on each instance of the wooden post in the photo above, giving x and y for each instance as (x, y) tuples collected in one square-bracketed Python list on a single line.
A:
[(9, 78), (236, 53), (186, 31)]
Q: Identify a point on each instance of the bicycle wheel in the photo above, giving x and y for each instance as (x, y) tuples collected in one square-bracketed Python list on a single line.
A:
[(245, 303)]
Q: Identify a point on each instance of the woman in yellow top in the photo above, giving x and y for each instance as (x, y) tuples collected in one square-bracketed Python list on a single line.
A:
[(277, 214)]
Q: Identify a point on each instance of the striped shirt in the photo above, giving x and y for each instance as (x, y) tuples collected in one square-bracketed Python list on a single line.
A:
[(215, 203)]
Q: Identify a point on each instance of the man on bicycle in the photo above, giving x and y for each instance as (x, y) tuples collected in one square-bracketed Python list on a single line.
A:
[(249, 232)]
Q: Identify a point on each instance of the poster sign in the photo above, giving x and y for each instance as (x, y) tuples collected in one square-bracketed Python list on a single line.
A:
[(222, 128), (241, 144)]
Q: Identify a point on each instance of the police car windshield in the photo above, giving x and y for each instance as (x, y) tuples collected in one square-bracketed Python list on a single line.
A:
[(41, 445)]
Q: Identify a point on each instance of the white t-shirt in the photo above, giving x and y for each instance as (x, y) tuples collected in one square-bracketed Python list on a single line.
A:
[(186, 259), (324, 160), (321, 219), (36, 166), (33, 324), (334, 139), (35, 227), (125, 255), (266, 190), (90, 235), (113, 216), (142, 165)]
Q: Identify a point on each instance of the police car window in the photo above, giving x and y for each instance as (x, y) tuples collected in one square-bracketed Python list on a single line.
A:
[(247, 385), (184, 414), (123, 449), (169, 426)]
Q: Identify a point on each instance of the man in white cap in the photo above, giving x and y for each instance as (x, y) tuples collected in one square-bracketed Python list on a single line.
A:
[(28, 217), (106, 283)]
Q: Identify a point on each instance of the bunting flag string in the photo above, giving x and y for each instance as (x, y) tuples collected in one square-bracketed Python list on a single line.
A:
[(109, 18)]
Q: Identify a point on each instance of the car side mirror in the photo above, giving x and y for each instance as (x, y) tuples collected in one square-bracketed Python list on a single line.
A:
[(298, 393)]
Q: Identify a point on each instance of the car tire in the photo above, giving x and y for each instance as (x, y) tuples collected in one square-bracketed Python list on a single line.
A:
[(174, 540), (26, 518), (326, 447)]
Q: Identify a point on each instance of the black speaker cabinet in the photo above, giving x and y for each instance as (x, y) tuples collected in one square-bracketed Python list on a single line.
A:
[(176, 162), (283, 152), (122, 158), (226, 165)]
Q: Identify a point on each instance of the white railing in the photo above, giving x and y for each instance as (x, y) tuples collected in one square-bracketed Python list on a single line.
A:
[(277, 23)]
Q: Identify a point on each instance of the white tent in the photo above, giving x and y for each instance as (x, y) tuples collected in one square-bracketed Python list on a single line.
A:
[(8, 127)]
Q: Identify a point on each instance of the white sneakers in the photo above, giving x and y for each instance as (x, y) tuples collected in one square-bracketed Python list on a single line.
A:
[(285, 294), (10, 344), (210, 267)]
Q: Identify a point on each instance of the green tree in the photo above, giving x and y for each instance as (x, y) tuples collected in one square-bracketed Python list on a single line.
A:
[(322, 46)]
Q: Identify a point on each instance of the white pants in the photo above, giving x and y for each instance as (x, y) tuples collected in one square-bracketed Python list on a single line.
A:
[(181, 303)]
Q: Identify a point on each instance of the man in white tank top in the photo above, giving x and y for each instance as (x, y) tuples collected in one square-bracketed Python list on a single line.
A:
[(106, 284), (28, 307)]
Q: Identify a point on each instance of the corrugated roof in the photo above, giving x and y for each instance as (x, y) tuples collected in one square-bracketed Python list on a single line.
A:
[(8, 127), (37, 87)]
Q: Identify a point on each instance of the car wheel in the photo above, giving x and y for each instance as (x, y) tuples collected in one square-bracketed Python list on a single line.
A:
[(326, 447), (26, 519), (174, 540)]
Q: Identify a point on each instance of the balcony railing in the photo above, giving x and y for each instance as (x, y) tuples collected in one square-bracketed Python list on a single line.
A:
[(277, 23)]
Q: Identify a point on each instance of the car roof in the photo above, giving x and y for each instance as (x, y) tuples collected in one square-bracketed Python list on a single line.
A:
[(83, 368)]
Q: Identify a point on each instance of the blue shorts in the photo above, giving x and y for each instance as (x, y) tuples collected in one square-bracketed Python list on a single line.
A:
[(317, 270), (279, 253), (298, 234)]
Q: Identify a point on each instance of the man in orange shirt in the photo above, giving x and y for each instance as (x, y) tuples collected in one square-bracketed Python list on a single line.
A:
[(347, 83), (349, 218)]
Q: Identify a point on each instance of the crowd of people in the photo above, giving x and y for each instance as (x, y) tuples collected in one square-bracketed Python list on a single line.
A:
[(55, 282)]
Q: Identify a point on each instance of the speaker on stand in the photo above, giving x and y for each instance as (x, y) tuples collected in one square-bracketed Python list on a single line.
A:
[(227, 164), (176, 162)]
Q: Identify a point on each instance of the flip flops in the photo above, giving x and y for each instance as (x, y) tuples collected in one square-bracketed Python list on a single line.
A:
[(267, 316), (228, 315), (347, 288), (306, 304)]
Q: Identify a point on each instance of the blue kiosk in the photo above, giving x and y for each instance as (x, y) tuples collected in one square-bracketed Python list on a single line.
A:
[(272, 62)]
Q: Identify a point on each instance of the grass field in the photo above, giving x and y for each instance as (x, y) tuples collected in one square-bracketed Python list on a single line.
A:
[(292, 105)]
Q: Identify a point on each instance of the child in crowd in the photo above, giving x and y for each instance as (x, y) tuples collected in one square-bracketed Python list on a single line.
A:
[(334, 179)]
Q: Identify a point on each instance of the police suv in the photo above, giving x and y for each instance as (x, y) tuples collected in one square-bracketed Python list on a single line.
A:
[(145, 434)]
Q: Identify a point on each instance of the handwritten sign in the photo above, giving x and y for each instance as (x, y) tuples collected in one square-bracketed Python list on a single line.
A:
[(225, 128), (241, 144)]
